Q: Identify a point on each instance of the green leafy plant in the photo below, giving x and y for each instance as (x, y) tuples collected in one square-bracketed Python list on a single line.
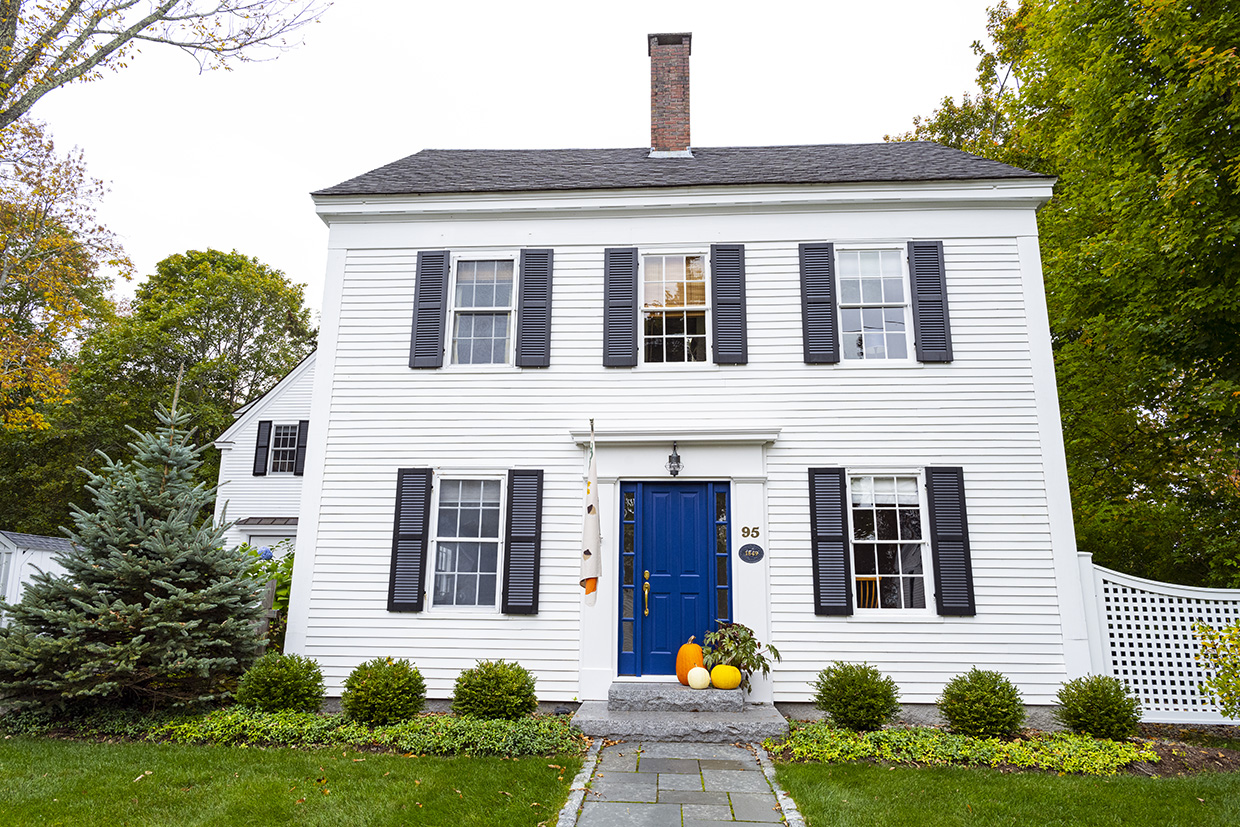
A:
[(734, 644), (983, 704), (495, 689), (1220, 654), (267, 563), (1098, 705), (383, 691), (856, 696), (282, 683)]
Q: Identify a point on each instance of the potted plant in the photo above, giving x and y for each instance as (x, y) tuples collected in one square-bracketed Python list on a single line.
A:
[(734, 644)]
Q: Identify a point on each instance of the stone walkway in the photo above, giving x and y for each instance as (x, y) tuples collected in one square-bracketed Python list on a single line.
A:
[(659, 784)]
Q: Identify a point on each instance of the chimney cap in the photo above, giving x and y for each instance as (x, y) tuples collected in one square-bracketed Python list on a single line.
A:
[(669, 39)]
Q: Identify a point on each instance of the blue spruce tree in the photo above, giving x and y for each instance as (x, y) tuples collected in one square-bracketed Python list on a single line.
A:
[(152, 610)]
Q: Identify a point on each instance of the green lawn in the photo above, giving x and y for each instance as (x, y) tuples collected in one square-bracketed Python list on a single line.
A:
[(49, 782), (853, 795)]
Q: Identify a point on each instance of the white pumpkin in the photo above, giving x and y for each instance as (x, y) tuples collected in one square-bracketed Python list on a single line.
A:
[(699, 678)]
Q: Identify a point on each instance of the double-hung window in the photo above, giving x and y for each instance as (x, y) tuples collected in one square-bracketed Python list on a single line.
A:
[(674, 308), (874, 320), (482, 300), (283, 449), (888, 543), (467, 542)]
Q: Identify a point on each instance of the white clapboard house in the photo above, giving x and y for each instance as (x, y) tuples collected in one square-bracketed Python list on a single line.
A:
[(22, 556), (263, 460), (844, 346)]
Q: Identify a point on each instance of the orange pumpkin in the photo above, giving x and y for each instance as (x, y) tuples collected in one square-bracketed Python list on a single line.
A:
[(689, 656)]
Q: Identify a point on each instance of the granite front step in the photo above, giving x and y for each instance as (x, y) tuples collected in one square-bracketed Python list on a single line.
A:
[(754, 723), (671, 696)]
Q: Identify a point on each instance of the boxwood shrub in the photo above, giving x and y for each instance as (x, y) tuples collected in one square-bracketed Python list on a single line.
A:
[(856, 696), (282, 683), (383, 691), (495, 689), (1098, 705), (983, 704)]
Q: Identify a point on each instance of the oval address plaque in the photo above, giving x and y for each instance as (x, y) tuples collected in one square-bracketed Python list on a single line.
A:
[(750, 552)]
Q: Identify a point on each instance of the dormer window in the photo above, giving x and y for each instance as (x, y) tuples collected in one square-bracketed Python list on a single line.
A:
[(674, 308)]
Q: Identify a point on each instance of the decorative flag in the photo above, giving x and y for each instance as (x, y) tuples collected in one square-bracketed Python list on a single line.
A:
[(591, 533)]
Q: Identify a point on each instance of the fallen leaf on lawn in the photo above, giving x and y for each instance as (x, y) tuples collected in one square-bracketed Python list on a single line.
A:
[(1202, 800), (355, 760), (386, 774), (301, 801), (501, 792), (326, 791), (555, 766), (140, 777), (535, 804), (417, 781), (459, 794)]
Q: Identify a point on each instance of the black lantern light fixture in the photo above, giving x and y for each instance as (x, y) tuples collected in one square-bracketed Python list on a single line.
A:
[(673, 462)]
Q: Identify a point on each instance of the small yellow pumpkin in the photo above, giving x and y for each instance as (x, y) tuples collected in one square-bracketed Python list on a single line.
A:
[(725, 677), (699, 678), (689, 656)]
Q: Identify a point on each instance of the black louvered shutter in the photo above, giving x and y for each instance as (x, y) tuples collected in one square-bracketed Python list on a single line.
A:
[(931, 328), (828, 521), (534, 310), (819, 317), (303, 431), (727, 300), (406, 592), (949, 541), (523, 542), (261, 447), (620, 307), (430, 309)]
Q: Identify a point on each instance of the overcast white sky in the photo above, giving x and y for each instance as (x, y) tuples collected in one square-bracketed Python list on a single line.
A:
[(227, 159)]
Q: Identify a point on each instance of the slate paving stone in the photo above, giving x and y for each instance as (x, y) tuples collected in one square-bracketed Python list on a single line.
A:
[(753, 807), (598, 814), (602, 791), (741, 781), (669, 765), (719, 764), (606, 779), (657, 749), (707, 812), (621, 761), (680, 781), (691, 797)]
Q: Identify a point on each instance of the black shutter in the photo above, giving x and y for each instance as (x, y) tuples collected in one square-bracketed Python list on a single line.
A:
[(931, 328), (727, 300), (261, 447), (620, 307), (409, 541), (828, 521), (949, 541), (523, 542), (303, 431), (534, 310), (819, 325), (430, 309)]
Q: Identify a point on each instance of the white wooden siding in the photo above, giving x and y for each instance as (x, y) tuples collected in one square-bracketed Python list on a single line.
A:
[(978, 412)]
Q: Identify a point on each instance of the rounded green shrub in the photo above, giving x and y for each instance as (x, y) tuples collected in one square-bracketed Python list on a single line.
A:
[(982, 704), (383, 691), (1098, 705), (282, 683), (856, 696), (495, 689)]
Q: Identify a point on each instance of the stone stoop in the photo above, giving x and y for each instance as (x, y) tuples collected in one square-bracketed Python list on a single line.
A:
[(668, 711)]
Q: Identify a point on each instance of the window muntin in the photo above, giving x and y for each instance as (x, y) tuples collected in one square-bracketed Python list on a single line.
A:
[(873, 304), (482, 311), (674, 308), (467, 542), (888, 543), (283, 458)]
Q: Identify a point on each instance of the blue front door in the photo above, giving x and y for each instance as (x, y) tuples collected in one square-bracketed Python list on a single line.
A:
[(675, 570)]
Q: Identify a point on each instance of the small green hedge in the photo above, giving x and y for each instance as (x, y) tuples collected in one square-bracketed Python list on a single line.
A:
[(425, 735), (1053, 751)]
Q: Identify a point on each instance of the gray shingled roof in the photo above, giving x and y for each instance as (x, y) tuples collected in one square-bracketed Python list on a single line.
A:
[(39, 542), (514, 170)]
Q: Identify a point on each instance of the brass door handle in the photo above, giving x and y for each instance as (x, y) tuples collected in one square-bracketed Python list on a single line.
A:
[(646, 592)]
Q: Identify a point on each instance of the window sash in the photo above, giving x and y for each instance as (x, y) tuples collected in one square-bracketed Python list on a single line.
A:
[(675, 308), (889, 542), (283, 458), (483, 296), (467, 543), (873, 289)]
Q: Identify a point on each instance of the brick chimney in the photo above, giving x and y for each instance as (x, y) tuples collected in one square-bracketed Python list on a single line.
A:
[(669, 95)]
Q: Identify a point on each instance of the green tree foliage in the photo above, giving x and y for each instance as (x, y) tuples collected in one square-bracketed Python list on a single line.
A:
[(1133, 105), (152, 610), (237, 327)]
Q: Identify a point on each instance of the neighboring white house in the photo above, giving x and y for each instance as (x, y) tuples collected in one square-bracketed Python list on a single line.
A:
[(21, 556), (846, 346), (262, 459)]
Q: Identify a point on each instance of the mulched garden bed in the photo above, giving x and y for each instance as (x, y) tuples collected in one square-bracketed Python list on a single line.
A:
[(1185, 750)]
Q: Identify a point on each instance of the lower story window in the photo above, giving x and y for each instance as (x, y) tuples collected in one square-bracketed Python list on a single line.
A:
[(888, 548), (467, 542)]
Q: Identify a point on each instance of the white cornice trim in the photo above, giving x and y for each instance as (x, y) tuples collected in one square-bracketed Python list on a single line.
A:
[(688, 436)]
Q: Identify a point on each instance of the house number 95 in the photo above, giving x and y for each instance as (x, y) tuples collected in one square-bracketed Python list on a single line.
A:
[(749, 531)]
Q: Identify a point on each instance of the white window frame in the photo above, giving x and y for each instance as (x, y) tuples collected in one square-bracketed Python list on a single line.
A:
[(453, 310), (642, 310), (910, 351), (433, 546), (271, 449), (927, 562)]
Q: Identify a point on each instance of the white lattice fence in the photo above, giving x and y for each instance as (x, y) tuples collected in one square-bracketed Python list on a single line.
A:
[(1142, 633)]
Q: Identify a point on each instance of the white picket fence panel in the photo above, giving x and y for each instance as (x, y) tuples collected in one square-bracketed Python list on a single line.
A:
[(1141, 631)]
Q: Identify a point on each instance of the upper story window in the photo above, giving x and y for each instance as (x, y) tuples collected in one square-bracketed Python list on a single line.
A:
[(467, 542), (873, 304), (888, 543), (674, 308), (283, 449), (482, 312)]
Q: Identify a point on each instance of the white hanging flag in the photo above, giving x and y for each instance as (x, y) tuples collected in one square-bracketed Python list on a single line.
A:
[(591, 533)]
